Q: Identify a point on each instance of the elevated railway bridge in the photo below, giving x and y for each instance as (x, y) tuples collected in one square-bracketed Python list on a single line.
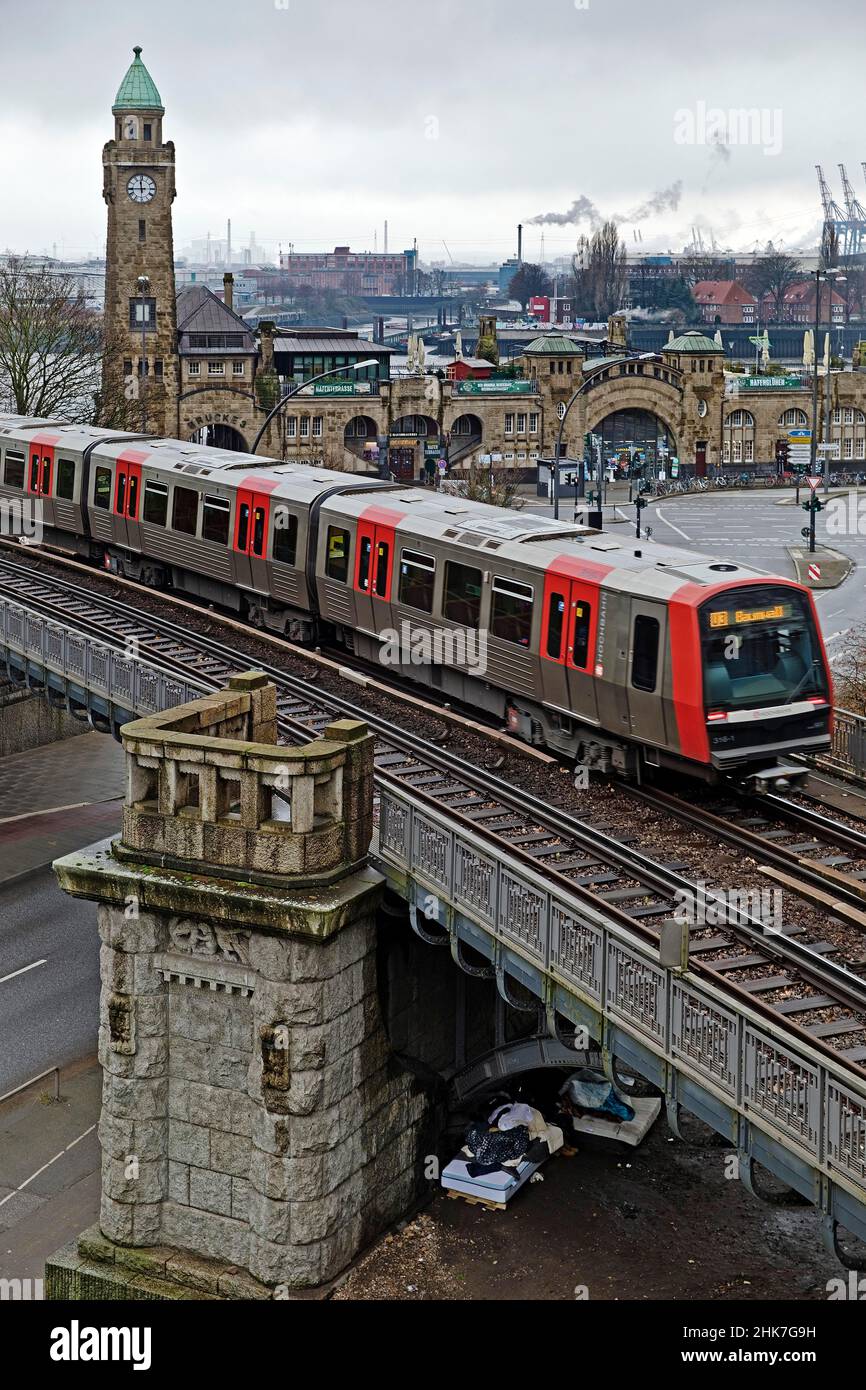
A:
[(518, 895)]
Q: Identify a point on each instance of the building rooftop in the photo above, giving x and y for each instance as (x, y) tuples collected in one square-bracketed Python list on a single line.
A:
[(692, 342), (329, 341), (553, 345), (137, 91), (200, 311)]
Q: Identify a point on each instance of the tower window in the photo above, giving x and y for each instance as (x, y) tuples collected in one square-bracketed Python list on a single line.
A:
[(147, 130), (142, 312), (157, 369), (142, 229)]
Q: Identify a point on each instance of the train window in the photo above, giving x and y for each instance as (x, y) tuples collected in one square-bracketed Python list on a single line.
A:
[(215, 520), (580, 646), (243, 526), (555, 625), (45, 487), (462, 602), (102, 489), (383, 558), (155, 504), (120, 501), (132, 498), (511, 611), (14, 475), (65, 478), (337, 560), (365, 549), (184, 510), (417, 579), (285, 536), (258, 545), (34, 473), (645, 654)]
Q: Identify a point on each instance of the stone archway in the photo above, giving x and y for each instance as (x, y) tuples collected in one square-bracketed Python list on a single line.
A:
[(360, 437), (465, 437), (639, 440), (411, 439), (220, 436)]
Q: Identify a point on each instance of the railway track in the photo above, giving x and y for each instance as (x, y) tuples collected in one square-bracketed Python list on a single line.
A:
[(796, 983), (777, 839)]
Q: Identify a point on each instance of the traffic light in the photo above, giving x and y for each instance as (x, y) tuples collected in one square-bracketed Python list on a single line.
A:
[(782, 455), (813, 505)]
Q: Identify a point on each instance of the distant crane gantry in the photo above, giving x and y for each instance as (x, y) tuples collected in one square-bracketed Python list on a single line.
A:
[(849, 224)]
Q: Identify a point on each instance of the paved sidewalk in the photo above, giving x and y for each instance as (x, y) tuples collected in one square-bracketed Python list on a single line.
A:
[(57, 799), (42, 1210), (89, 767)]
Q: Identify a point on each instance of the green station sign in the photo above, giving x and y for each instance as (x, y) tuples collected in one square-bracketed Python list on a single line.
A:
[(768, 383), (496, 388)]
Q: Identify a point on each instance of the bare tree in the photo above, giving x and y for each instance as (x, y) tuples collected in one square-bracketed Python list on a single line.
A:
[(528, 281), (52, 347), (850, 675), (771, 277), (599, 272), (498, 486)]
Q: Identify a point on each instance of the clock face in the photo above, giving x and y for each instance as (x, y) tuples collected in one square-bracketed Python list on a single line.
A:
[(141, 188)]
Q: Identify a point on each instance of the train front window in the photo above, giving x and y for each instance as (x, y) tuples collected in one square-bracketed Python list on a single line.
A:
[(760, 647)]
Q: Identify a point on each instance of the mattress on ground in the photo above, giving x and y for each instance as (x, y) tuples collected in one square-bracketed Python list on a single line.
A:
[(489, 1187)]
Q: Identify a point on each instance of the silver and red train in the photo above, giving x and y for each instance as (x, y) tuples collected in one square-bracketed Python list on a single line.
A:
[(622, 654)]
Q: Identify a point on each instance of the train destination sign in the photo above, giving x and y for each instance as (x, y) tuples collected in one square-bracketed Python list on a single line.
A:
[(723, 617)]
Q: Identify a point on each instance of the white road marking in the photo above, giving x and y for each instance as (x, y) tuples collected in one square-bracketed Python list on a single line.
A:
[(27, 1181), (836, 635), (23, 970), (671, 525)]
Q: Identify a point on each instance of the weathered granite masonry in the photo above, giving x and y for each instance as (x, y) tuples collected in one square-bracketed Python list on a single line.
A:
[(254, 1125)]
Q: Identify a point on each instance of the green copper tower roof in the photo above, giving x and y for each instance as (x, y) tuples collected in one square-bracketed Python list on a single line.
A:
[(137, 91)]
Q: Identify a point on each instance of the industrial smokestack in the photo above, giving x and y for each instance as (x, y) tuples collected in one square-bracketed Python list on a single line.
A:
[(385, 242), (520, 243), (229, 290), (229, 244)]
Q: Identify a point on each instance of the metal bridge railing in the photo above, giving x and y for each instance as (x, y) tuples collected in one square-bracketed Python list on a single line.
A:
[(848, 748), (815, 1107), (83, 664)]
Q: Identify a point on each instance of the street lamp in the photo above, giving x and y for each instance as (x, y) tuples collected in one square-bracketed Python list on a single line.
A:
[(353, 367), (143, 290), (581, 492), (831, 276)]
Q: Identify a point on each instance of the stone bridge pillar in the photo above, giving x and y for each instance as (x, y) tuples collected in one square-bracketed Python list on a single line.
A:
[(255, 1132)]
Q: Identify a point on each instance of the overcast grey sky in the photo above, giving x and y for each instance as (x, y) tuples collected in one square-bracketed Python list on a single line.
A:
[(312, 121)]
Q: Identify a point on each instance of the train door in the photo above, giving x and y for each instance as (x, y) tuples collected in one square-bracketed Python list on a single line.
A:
[(374, 552), (127, 503), (40, 479), (645, 670), (251, 539), (568, 641)]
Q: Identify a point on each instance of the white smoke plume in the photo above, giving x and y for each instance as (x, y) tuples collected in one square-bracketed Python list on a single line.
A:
[(583, 209)]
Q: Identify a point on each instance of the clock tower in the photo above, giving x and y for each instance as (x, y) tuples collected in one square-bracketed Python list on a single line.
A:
[(141, 364)]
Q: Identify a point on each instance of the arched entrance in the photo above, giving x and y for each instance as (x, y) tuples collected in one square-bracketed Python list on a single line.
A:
[(220, 436), (359, 437), (466, 434), (634, 440), (412, 440)]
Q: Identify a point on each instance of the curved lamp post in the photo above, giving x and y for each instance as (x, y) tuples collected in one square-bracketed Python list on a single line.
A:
[(633, 357), (296, 391)]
